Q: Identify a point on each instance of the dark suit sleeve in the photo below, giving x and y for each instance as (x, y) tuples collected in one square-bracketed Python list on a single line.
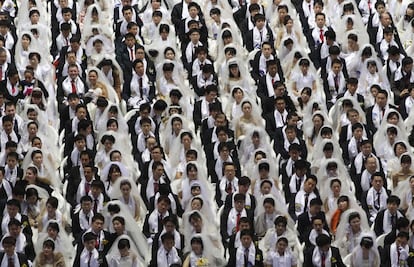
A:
[(145, 228), (378, 227), (337, 256), (218, 195)]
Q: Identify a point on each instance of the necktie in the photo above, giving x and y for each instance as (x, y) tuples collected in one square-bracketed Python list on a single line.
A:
[(298, 184), (310, 8), (238, 221), (321, 37), (1, 73), (336, 80), (90, 258), (397, 63), (87, 188), (13, 89), (305, 209), (359, 145), (73, 84), (201, 66), (377, 204), (95, 206), (323, 258), (16, 126), (168, 260), (369, 7), (10, 262), (141, 92), (87, 217), (246, 257), (394, 221), (9, 137), (229, 188), (261, 37), (273, 81), (156, 187), (131, 54)]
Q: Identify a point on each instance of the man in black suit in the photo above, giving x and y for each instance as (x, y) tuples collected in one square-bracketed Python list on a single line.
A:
[(170, 225), (386, 219), (402, 80), (277, 118), (244, 187), (81, 220), (399, 247), (210, 96), (165, 190), (279, 90), (195, 20), (259, 34), (351, 88), (126, 54), (249, 254), (281, 146), (73, 83), (139, 90), (334, 53), (375, 114), (315, 258), (153, 221), (305, 219), (68, 112), (9, 246), (153, 183), (103, 238), (246, 23), (403, 225), (230, 219), (75, 46), (4, 66), (378, 195), (267, 80), (13, 212), (129, 13)]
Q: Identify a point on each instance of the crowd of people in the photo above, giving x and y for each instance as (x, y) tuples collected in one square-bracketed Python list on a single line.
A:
[(197, 133)]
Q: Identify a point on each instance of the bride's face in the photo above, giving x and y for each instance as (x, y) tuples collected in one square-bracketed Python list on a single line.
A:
[(192, 174), (393, 119), (118, 227), (197, 248), (238, 95), (25, 42), (170, 55), (355, 224), (196, 204)]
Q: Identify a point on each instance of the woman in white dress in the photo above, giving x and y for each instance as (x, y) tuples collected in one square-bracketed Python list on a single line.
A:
[(366, 254), (250, 118)]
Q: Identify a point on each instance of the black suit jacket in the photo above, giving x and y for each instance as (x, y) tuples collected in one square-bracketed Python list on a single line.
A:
[(8, 97), (248, 40), (256, 75), (258, 258), (107, 243), (364, 204), (228, 203), (279, 147), (305, 225), (336, 260), (370, 122), (22, 258), (76, 228), (180, 211), (197, 113), (386, 258), (223, 224), (379, 223)]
